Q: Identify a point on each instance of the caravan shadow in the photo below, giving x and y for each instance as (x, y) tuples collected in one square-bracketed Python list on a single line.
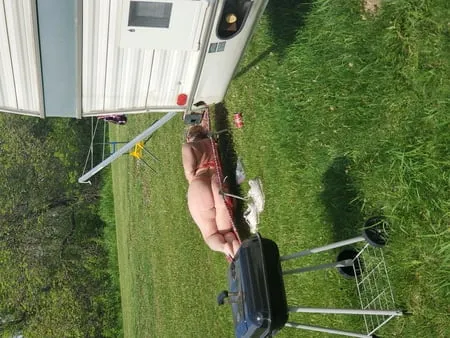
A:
[(286, 18)]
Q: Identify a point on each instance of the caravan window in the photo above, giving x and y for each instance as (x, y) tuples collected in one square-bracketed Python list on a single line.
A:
[(162, 24), (234, 15), (149, 14)]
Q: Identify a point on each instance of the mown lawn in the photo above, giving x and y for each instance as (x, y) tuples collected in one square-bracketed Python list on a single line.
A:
[(346, 116)]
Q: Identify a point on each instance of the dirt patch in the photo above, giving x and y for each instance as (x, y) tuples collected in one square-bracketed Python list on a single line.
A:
[(371, 6)]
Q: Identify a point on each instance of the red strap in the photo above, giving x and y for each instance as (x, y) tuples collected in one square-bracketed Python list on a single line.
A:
[(207, 165), (218, 166)]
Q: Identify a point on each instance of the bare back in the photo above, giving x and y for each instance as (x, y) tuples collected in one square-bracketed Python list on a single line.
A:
[(198, 156)]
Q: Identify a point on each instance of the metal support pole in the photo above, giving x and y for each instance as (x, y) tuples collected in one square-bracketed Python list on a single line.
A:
[(381, 324), (153, 156), (340, 264), (148, 165), (346, 311), (326, 330), (126, 148), (323, 248)]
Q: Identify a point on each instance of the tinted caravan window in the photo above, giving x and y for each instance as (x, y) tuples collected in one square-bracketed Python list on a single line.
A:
[(150, 14), (233, 17)]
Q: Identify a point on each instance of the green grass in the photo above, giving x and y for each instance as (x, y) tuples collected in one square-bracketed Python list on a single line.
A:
[(345, 117), (106, 211)]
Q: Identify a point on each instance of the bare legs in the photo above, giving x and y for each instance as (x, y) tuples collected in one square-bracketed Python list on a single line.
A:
[(210, 213)]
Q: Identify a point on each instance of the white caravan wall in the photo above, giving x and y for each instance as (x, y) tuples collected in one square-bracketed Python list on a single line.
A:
[(20, 80), (127, 79)]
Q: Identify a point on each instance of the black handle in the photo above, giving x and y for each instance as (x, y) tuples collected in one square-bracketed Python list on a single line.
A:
[(221, 297)]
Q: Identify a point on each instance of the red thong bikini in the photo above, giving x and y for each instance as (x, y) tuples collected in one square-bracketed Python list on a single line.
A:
[(207, 165)]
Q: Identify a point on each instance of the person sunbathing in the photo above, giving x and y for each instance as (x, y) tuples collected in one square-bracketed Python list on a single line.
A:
[(205, 202)]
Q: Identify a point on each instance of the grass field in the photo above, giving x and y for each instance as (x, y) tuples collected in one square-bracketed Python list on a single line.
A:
[(346, 116)]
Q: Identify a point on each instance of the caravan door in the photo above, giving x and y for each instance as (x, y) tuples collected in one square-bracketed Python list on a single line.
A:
[(162, 24)]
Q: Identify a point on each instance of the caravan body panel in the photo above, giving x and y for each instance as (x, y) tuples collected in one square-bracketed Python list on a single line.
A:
[(127, 79), (224, 53), (20, 83), (130, 66), (79, 58)]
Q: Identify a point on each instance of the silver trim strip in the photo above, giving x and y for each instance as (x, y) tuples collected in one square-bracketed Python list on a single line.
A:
[(38, 60), (153, 109), (20, 111), (79, 59)]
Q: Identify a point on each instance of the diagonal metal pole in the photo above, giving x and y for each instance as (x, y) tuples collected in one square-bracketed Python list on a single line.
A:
[(126, 148), (148, 165), (153, 156)]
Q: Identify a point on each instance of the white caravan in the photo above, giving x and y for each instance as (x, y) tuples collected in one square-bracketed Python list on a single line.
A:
[(76, 58)]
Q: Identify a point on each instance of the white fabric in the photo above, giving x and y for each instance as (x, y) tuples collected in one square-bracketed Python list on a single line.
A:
[(251, 217), (256, 203), (256, 194)]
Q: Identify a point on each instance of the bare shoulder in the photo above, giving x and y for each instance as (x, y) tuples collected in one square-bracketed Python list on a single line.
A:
[(186, 147)]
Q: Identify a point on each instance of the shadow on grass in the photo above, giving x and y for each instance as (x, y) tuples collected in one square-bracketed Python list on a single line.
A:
[(229, 158), (286, 18), (342, 200), (255, 61)]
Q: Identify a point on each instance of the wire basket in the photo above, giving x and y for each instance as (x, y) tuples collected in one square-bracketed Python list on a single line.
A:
[(373, 285)]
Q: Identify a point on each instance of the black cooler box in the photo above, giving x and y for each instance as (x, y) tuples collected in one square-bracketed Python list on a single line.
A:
[(256, 289)]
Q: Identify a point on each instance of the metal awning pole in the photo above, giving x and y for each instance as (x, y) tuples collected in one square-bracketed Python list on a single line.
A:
[(127, 147)]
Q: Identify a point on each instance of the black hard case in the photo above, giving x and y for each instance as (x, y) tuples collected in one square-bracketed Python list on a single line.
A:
[(256, 283)]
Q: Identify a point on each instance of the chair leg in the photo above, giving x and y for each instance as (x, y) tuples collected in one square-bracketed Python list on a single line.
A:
[(326, 330)]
